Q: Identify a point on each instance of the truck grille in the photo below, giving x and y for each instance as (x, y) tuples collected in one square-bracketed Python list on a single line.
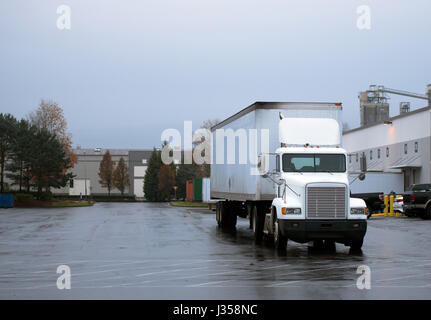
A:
[(326, 202)]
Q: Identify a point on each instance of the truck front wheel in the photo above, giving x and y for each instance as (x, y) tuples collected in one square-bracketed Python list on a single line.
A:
[(280, 241), (258, 223)]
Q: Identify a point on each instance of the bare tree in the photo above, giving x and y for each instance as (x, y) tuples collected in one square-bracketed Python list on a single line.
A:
[(204, 170), (50, 116)]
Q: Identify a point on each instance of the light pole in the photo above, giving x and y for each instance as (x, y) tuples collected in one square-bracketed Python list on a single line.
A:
[(175, 190), (85, 181)]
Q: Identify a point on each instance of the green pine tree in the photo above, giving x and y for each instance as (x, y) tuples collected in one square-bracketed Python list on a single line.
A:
[(8, 133), (49, 162), (151, 181), (18, 166)]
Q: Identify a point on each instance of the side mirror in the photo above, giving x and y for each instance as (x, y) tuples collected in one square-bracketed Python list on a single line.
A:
[(362, 176), (279, 181)]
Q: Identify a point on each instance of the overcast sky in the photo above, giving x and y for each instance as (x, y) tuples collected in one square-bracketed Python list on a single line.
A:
[(127, 70)]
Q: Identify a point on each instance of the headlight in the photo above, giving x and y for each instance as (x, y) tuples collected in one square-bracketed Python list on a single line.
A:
[(291, 210), (358, 210)]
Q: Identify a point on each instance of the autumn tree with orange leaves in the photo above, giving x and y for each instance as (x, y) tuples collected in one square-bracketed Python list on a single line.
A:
[(121, 176), (106, 172)]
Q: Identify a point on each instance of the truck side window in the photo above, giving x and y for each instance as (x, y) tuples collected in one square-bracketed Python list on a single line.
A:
[(277, 163)]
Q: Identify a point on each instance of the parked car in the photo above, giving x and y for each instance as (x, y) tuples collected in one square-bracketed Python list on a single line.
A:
[(399, 203), (417, 201)]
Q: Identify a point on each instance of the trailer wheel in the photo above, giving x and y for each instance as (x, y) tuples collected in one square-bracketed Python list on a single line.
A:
[(280, 241), (250, 215), (225, 216), (232, 218), (221, 214), (218, 209), (258, 224)]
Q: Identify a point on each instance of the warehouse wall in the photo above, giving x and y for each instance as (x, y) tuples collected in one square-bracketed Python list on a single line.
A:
[(406, 144), (138, 162), (87, 167)]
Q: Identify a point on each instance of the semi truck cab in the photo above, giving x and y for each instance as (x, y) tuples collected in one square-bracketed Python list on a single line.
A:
[(312, 201)]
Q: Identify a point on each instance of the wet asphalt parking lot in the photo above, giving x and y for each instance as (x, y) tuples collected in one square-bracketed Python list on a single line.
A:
[(155, 251)]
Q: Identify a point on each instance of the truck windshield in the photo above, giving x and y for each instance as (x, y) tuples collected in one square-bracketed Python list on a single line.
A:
[(314, 162)]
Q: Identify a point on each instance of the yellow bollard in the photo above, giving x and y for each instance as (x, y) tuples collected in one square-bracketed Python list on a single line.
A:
[(386, 205), (391, 206)]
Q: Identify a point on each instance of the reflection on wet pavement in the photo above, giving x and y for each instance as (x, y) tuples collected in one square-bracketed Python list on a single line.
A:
[(154, 251)]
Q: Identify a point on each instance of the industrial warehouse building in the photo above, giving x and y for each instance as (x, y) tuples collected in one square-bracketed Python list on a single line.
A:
[(401, 144), (86, 171)]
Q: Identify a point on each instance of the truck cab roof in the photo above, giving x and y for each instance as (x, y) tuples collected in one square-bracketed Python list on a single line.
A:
[(311, 149)]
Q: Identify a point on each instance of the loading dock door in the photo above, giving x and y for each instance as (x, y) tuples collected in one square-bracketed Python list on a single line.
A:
[(77, 188), (138, 187)]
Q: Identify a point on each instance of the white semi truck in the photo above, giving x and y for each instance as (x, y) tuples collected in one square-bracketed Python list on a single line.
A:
[(299, 188)]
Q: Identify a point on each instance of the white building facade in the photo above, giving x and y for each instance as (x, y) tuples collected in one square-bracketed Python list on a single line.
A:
[(402, 144)]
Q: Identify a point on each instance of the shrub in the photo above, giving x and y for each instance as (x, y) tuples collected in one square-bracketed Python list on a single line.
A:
[(46, 196), (23, 197)]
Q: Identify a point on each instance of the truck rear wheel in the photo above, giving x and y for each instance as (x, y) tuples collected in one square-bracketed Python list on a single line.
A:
[(258, 223)]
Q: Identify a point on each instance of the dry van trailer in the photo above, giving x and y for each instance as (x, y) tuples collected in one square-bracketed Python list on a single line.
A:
[(242, 193)]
